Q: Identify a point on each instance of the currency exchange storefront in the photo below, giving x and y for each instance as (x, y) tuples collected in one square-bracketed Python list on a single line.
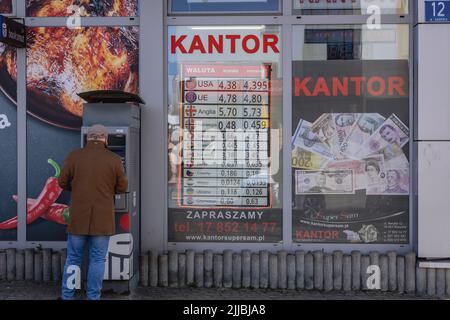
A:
[(269, 125), (292, 132)]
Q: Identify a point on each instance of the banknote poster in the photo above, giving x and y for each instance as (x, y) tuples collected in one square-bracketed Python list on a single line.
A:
[(350, 152)]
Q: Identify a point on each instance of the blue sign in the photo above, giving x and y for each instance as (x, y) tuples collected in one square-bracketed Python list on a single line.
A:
[(437, 11), (12, 32)]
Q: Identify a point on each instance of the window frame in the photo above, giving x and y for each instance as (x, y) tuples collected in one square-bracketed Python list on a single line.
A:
[(298, 11), (193, 13)]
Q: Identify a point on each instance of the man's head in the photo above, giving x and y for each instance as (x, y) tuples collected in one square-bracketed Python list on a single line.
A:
[(321, 180), (367, 124), (388, 133), (345, 120), (328, 130), (393, 178), (98, 133), (309, 138)]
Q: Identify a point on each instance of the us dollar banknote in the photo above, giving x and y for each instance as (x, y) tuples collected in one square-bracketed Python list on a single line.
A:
[(357, 168), (324, 182)]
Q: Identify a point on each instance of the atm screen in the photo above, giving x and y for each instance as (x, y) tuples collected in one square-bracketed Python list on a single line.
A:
[(120, 151)]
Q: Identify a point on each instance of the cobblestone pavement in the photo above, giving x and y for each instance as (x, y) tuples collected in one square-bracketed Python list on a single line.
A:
[(25, 290)]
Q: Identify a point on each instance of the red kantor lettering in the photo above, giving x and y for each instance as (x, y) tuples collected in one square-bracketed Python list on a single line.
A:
[(249, 44), (397, 84), (358, 84), (177, 43), (374, 86), (232, 38), (300, 86), (316, 234), (270, 40), (197, 44), (381, 86), (245, 45), (321, 88), (340, 87), (218, 45)]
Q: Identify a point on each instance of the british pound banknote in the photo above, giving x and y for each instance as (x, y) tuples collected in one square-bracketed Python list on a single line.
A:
[(375, 174), (368, 173), (324, 182)]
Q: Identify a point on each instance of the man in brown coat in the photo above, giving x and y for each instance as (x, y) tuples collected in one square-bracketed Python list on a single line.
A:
[(94, 175)]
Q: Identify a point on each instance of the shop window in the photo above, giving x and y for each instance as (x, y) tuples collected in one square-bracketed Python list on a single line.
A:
[(225, 133), (350, 134), (8, 136), (61, 63), (356, 7), (7, 7), (224, 6), (90, 8)]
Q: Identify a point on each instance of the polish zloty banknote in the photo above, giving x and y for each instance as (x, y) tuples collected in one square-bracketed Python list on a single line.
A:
[(364, 127), (305, 139), (324, 182), (392, 133), (344, 123), (303, 159)]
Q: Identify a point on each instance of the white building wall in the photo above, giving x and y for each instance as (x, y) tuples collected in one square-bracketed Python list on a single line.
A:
[(432, 136)]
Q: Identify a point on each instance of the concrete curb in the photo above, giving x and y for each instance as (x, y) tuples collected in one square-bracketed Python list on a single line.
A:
[(298, 270), (182, 270)]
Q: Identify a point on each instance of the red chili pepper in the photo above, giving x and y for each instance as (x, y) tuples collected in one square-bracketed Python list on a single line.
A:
[(58, 213), (48, 196)]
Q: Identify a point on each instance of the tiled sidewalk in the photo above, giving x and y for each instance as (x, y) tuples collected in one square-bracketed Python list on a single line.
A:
[(51, 291)]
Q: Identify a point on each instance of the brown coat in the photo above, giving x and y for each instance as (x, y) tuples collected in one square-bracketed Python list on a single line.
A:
[(93, 175)]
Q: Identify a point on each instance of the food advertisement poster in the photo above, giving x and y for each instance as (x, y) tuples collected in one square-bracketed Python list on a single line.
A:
[(8, 138), (83, 8), (60, 63), (350, 151)]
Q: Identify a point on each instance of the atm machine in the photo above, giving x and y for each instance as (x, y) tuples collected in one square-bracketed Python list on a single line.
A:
[(119, 112)]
